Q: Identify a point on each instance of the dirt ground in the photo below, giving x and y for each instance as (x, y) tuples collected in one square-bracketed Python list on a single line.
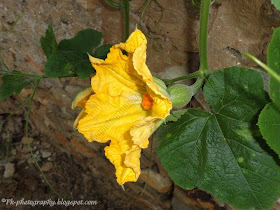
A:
[(68, 178)]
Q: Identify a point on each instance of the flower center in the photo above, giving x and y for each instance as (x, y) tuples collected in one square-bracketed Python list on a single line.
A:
[(147, 102)]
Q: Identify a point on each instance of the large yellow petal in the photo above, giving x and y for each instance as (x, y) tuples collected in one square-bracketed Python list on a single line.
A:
[(116, 74), (110, 117), (126, 159)]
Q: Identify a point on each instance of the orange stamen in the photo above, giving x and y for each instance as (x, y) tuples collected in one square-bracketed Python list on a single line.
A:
[(147, 102)]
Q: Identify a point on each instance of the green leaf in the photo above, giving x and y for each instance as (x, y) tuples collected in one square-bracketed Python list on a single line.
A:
[(13, 84), (48, 42), (102, 51), (273, 59), (269, 124), (175, 115), (269, 119), (84, 41), (276, 3), (62, 64), (71, 55), (222, 152)]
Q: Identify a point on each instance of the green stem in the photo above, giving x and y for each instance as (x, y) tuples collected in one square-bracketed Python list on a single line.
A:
[(197, 85), (44, 176), (265, 67), (4, 64), (31, 75), (204, 15), (14, 112), (21, 75), (30, 105), (27, 134), (14, 24), (189, 76), (126, 16), (115, 4)]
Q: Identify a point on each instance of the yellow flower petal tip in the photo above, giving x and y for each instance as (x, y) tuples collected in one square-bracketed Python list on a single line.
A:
[(126, 108)]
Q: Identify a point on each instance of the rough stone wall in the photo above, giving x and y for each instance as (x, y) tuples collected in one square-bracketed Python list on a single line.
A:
[(236, 26)]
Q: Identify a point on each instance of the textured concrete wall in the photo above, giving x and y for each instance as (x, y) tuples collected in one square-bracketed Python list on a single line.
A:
[(235, 26)]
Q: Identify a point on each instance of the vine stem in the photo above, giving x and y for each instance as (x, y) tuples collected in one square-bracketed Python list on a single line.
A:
[(12, 114), (189, 76), (30, 105), (265, 67), (31, 75), (126, 16), (197, 85), (14, 24), (115, 4), (27, 134), (204, 16), (204, 70)]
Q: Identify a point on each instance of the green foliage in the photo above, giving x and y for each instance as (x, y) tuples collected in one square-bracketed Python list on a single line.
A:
[(222, 152), (102, 51), (269, 123), (276, 3), (48, 42), (13, 83), (269, 119), (70, 55), (273, 59), (175, 115)]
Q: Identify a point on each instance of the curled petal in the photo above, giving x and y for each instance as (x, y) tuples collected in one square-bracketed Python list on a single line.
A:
[(78, 118), (81, 98), (125, 158), (135, 40), (142, 131)]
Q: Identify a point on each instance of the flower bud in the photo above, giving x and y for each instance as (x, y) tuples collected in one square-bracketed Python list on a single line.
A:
[(180, 95)]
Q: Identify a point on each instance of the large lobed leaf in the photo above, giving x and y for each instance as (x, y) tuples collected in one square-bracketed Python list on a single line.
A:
[(48, 42), (222, 152), (273, 59), (102, 51), (70, 56), (13, 83), (269, 123), (269, 119)]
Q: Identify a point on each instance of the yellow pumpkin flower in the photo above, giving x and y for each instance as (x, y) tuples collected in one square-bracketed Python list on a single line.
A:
[(126, 107)]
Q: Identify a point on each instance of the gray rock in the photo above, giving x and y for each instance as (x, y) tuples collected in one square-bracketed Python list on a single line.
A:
[(30, 161), (14, 151), (9, 170), (46, 154), (26, 140), (47, 166)]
